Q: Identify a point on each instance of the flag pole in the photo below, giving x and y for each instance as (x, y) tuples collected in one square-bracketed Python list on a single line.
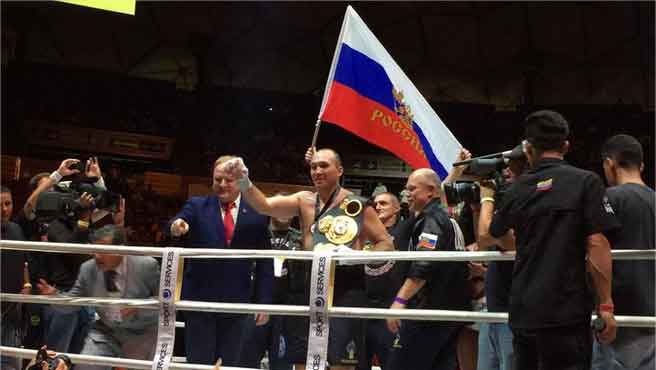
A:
[(331, 75), (316, 134)]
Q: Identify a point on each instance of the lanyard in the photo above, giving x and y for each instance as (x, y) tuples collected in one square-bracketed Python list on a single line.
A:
[(317, 213)]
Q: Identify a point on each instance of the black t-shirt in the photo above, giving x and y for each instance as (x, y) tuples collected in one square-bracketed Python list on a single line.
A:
[(633, 281), (12, 261), (383, 280), (446, 282), (294, 272), (553, 209)]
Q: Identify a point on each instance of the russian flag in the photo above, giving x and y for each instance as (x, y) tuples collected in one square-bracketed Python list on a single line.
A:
[(369, 95)]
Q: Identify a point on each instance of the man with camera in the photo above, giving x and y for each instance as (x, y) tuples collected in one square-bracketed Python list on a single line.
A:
[(554, 217), (428, 285), (495, 351), (120, 332), (65, 216), (49, 360)]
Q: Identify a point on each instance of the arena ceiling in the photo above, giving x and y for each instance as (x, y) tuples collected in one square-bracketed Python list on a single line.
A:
[(505, 54)]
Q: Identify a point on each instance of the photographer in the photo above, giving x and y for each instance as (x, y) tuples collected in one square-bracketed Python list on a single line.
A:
[(49, 360), (63, 218), (67, 167), (493, 340), (495, 350), (558, 214)]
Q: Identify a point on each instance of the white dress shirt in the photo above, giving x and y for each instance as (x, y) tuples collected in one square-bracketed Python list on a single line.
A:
[(234, 211)]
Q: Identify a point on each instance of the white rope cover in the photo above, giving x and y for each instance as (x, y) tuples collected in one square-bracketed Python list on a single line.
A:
[(293, 310), (352, 257), (244, 308), (112, 361)]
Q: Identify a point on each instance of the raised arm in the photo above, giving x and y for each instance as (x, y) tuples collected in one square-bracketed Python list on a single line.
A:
[(281, 206), (487, 235), (48, 182), (456, 172)]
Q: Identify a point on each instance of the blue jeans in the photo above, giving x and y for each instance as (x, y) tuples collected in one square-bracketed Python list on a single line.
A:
[(65, 330), (495, 347), (633, 349)]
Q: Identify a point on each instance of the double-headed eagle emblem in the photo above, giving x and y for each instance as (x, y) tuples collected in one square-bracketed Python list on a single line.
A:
[(401, 108)]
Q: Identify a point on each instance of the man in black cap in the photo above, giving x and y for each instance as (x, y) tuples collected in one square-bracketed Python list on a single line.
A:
[(554, 216)]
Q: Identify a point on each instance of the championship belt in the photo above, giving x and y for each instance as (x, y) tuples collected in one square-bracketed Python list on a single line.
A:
[(339, 225)]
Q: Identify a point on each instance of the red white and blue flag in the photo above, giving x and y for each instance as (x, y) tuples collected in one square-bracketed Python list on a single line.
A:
[(368, 94)]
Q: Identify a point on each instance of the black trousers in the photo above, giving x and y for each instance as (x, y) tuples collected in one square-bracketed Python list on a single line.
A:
[(210, 335), (425, 346), (559, 348), (378, 341)]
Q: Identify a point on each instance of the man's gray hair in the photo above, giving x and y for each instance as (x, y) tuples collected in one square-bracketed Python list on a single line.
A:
[(109, 231)]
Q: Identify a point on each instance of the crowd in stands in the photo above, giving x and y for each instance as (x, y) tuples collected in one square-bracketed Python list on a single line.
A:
[(270, 130)]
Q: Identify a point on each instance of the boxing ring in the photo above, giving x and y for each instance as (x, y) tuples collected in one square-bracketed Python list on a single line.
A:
[(244, 308)]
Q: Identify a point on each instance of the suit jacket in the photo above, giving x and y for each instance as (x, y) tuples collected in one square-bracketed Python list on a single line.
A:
[(142, 281), (225, 280)]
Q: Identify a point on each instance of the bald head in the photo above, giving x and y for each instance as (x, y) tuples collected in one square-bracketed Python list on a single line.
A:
[(427, 177), (337, 160), (423, 186)]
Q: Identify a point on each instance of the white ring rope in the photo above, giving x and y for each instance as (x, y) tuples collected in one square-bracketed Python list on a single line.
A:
[(112, 361), (291, 310), (294, 310), (352, 257)]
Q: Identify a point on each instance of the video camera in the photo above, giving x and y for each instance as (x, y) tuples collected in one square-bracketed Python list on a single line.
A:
[(487, 167), (63, 200), (42, 356)]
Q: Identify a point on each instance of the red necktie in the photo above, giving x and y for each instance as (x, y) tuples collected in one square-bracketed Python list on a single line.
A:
[(228, 221)]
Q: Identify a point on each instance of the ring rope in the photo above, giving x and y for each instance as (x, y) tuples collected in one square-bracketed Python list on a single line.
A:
[(294, 310), (112, 361), (356, 257)]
